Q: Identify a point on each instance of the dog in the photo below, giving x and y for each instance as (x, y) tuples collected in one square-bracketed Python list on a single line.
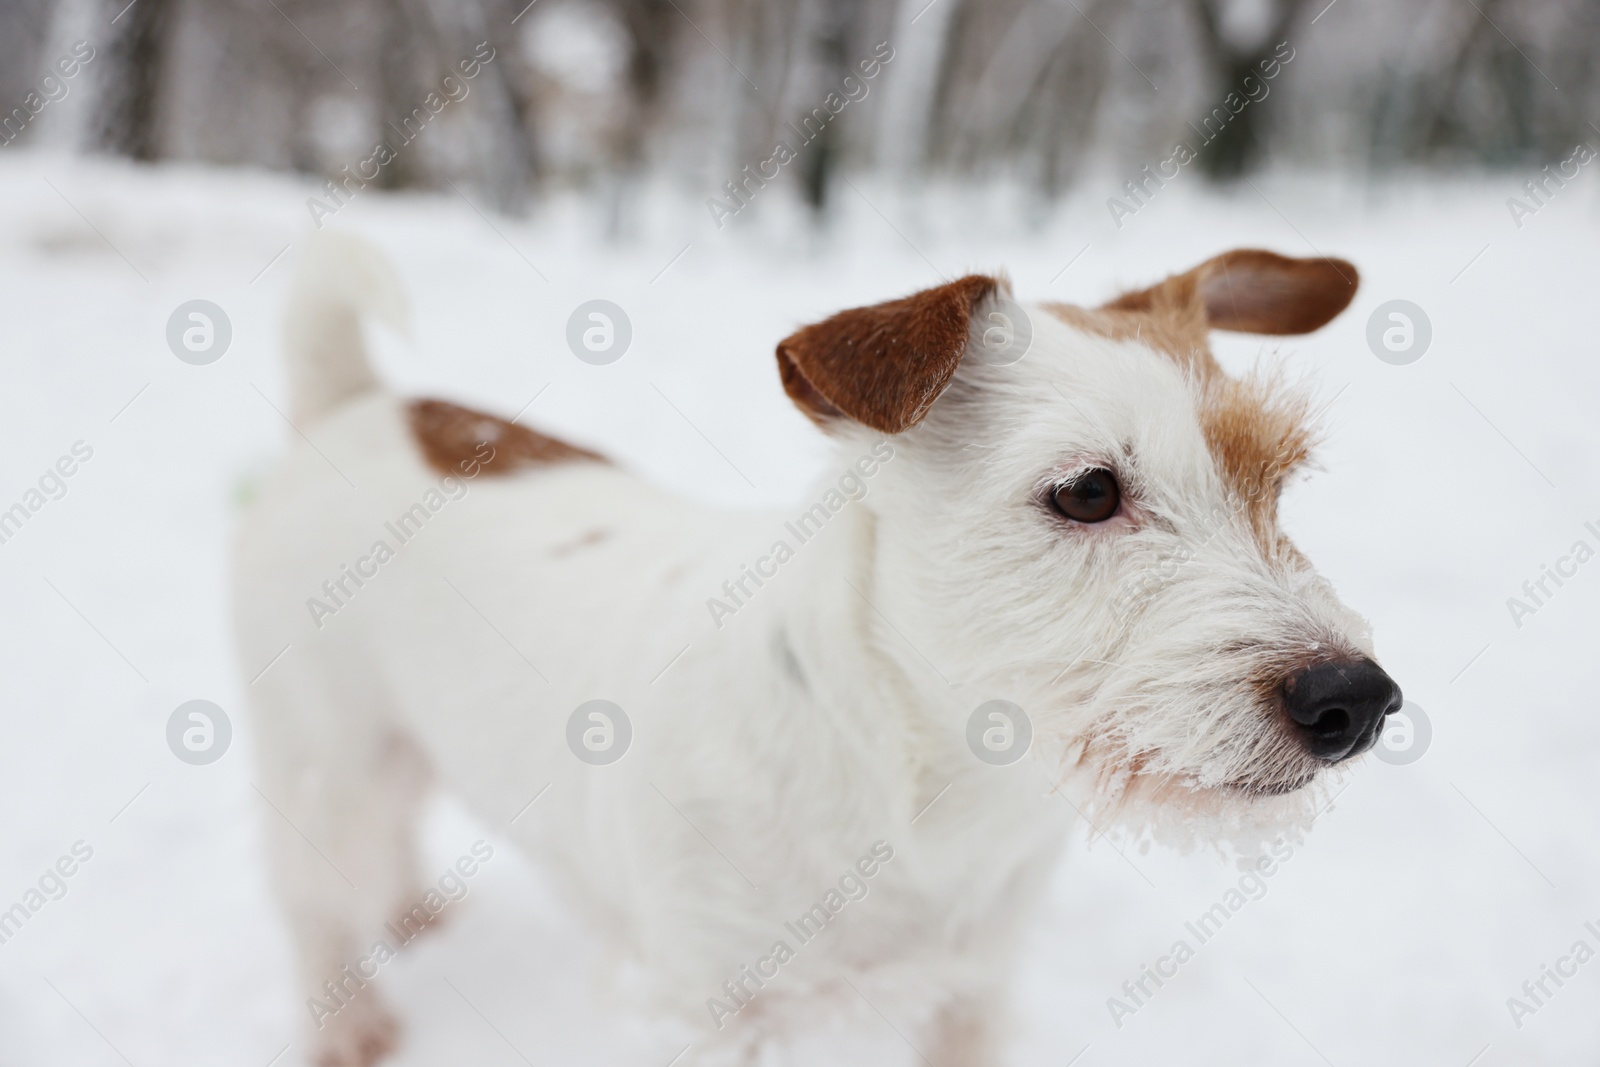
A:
[(803, 772)]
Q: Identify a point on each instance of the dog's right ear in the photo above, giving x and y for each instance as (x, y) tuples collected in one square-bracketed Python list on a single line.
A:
[(883, 366)]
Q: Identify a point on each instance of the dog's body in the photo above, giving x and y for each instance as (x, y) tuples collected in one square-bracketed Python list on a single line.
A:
[(787, 728)]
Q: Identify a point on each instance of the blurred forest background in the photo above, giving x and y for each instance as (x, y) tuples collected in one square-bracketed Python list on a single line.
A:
[(603, 93)]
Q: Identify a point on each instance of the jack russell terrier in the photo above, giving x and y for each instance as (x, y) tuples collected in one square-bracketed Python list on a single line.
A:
[(804, 772)]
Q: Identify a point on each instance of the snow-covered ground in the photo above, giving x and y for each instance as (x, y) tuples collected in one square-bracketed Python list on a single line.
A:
[(1423, 900)]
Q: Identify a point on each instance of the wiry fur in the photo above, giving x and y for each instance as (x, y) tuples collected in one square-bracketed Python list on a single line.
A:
[(1169, 702), (828, 713)]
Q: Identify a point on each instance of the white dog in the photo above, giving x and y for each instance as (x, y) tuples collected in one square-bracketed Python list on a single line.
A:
[(798, 805)]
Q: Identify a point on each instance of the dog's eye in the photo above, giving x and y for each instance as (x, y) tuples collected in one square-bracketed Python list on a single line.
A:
[(1093, 496)]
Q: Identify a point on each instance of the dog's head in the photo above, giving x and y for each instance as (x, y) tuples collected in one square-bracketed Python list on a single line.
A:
[(1091, 530)]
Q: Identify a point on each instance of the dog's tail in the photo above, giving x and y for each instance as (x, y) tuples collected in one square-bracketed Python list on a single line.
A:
[(340, 278)]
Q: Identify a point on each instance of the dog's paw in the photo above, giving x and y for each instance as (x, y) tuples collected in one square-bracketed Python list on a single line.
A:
[(361, 1035)]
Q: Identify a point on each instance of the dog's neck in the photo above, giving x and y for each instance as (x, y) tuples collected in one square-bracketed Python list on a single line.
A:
[(829, 637)]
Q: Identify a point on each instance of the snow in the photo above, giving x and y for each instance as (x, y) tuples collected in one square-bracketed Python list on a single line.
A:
[(1424, 898)]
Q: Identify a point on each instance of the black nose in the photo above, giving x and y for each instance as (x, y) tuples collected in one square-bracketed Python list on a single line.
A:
[(1338, 708)]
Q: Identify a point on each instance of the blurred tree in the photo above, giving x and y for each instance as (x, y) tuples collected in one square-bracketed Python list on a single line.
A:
[(831, 40), (132, 73), (1495, 82), (1237, 147), (651, 27), (24, 24), (1022, 79), (606, 93), (403, 50), (512, 124)]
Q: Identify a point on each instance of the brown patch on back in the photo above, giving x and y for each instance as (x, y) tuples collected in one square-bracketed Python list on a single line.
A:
[(1256, 433), (884, 365), (454, 438)]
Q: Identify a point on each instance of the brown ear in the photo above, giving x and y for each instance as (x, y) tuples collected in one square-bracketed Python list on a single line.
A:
[(884, 365), (1250, 290)]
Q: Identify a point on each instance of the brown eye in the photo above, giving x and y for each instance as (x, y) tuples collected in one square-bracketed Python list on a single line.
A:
[(1093, 496)]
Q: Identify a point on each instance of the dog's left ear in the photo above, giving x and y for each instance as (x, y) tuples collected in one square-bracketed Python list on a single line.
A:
[(883, 366), (1250, 290)]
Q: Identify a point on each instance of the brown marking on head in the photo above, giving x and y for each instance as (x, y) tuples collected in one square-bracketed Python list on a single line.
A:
[(883, 366), (1177, 331), (1256, 433), (453, 438)]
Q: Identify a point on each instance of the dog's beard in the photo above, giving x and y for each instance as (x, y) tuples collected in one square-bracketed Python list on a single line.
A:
[(1140, 809), (1191, 761)]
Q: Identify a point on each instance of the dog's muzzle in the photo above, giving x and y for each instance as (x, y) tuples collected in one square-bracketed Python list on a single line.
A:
[(1338, 708)]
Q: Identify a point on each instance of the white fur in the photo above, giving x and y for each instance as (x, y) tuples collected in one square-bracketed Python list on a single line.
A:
[(823, 717)]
